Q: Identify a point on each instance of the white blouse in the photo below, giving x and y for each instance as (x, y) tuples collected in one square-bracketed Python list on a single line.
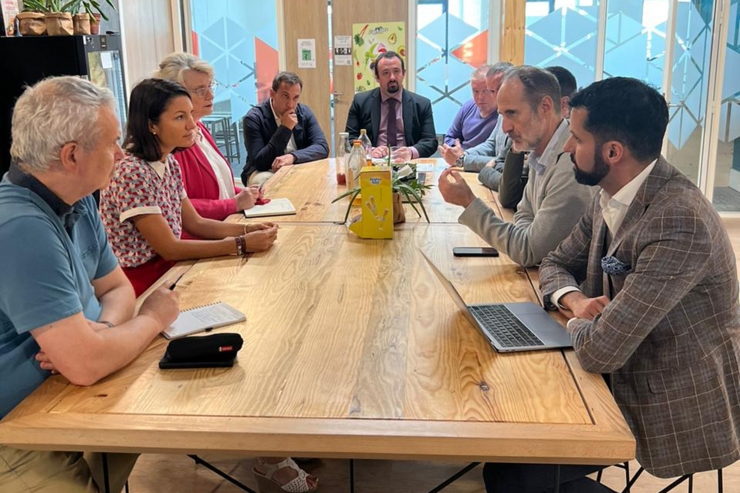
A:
[(220, 167)]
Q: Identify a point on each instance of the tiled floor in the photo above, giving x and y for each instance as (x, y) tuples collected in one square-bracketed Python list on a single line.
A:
[(178, 474)]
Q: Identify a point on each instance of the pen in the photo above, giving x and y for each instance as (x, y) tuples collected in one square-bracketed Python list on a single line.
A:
[(174, 284)]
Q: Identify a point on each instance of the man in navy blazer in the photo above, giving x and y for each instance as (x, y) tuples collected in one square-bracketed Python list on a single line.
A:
[(281, 131), (411, 126)]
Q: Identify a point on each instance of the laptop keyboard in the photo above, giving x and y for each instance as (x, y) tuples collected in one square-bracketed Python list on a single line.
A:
[(504, 326)]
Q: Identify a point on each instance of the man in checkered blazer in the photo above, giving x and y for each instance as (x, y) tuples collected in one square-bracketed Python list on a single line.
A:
[(649, 282)]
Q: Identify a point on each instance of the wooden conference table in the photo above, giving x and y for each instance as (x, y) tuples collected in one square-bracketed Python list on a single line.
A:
[(352, 349)]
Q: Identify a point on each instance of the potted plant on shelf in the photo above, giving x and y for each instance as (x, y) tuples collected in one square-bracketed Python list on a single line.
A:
[(404, 183), (87, 15), (31, 21), (56, 14)]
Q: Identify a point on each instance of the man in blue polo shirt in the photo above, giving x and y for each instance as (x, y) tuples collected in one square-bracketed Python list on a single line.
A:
[(65, 304)]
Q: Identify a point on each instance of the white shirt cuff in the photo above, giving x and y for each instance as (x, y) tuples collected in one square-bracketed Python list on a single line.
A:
[(555, 298), (568, 325)]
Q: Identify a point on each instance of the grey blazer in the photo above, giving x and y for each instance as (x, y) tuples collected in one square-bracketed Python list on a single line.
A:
[(671, 332)]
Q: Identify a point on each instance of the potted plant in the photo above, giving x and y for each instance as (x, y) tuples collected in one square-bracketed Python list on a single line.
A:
[(87, 15), (56, 14), (31, 21), (404, 183)]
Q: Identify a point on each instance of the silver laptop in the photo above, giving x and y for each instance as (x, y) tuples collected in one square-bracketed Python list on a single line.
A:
[(510, 327)]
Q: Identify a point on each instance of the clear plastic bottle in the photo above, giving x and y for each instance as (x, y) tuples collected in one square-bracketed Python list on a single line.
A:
[(341, 163), (355, 162), (367, 145)]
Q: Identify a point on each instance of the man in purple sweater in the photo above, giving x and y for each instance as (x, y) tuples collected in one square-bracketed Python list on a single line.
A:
[(476, 119)]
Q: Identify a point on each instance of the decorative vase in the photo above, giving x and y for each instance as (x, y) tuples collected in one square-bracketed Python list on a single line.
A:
[(59, 24), (399, 215), (81, 23), (31, 23), (95, 24)]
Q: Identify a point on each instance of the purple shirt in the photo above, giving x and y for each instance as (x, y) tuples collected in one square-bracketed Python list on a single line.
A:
[(382, 129), (469, 127)]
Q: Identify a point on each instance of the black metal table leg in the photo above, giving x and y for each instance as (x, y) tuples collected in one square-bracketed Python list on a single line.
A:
[(106, 476), (351, 476), (218, 471), (557, 479), (455, 477)]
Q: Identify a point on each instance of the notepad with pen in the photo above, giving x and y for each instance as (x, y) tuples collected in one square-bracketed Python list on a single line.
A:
[(202, 318)]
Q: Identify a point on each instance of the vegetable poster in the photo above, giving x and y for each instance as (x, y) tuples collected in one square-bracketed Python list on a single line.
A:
[(369, 41)]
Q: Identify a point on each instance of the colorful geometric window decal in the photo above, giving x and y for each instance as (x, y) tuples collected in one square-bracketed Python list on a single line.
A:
[(240, 40), (690, 65), (452, 41), (635, 40), (562, 35), (730, 112)]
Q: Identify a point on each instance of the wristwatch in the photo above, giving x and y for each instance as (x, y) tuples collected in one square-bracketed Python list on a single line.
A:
[(460, 162)]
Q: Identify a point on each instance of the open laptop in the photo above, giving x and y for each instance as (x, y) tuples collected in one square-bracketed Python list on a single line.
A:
[(510, 327)]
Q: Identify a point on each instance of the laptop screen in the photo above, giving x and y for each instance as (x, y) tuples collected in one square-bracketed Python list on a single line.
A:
[(451, 290)]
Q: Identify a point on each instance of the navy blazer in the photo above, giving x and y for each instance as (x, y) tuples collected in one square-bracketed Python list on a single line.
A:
[(265, 141), (418, 120)]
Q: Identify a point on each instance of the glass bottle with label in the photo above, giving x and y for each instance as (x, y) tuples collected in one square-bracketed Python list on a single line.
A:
[(355, 162), (341, 160)]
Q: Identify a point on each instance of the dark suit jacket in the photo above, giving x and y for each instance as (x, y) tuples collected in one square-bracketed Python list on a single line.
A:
[(265, 141), (418, 121), (670, 335)]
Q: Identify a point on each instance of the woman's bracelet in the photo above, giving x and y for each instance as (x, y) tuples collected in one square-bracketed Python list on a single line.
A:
[(245, 229), (240, 246)]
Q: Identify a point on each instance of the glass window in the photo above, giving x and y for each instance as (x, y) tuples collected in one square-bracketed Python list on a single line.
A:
[(726, 195), (562, 33), (239, 38), (452, 41)]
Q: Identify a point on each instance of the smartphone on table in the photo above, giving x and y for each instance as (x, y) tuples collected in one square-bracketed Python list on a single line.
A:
[(474, 252)]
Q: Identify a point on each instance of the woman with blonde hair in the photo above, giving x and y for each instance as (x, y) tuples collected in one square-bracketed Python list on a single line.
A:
[(206, 173)]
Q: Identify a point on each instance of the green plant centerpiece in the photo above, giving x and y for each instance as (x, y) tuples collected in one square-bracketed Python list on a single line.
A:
[(403, 182)]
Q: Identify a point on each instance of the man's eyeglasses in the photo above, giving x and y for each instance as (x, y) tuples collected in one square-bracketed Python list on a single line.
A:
[(202, 91)]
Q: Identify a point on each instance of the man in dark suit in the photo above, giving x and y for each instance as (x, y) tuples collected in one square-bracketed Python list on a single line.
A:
[(411, 123), (281, 131), (649, 282)]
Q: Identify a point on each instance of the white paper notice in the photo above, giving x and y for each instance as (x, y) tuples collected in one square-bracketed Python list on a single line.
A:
[(343, 50), (306, 53), (105, 60)]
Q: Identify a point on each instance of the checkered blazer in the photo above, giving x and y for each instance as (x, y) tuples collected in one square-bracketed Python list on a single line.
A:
[(671, 333)]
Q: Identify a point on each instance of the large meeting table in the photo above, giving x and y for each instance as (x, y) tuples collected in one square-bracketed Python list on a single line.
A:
[(352, 349)]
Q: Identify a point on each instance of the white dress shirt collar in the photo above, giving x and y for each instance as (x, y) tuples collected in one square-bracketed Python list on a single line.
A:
[(614, 208)]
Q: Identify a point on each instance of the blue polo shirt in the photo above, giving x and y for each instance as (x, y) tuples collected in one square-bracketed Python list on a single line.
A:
[(49, 254)]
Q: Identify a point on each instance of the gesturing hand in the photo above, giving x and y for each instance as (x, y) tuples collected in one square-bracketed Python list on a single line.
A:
[(456, 191), (451, 153)]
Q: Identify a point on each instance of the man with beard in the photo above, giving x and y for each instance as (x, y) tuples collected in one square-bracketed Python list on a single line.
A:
[(649, 282), (391, 115), (529, 103)]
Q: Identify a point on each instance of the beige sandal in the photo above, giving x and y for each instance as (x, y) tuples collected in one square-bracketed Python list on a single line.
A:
[(266, 484)]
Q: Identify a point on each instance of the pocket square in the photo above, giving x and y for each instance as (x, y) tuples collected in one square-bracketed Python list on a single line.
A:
[(614, 267)]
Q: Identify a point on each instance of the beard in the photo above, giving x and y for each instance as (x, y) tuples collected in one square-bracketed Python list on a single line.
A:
[(393, 87), (594, 177)]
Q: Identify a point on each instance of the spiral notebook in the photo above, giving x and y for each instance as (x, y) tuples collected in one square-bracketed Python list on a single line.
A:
[(276, 207), (203, 318)]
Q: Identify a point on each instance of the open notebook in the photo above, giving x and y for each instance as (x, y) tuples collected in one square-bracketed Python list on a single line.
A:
[(202, 318), (276, 207)]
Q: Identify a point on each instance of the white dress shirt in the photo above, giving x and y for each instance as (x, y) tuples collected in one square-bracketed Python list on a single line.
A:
[(220, 167)]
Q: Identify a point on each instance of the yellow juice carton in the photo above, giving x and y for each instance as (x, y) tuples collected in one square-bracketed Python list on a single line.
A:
[(377, 204)]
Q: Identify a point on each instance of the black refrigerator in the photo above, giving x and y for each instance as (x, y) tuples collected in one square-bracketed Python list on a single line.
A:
[(26, 60)]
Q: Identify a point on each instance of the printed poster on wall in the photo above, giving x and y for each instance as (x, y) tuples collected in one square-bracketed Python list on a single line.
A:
[(306, 53), (370, 40), (343, 50)]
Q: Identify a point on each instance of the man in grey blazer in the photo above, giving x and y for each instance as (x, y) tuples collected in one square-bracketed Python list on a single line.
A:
[(649, 282), (529, 105)]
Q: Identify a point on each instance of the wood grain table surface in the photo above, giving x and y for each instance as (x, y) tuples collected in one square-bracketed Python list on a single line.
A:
[(352, 348)]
